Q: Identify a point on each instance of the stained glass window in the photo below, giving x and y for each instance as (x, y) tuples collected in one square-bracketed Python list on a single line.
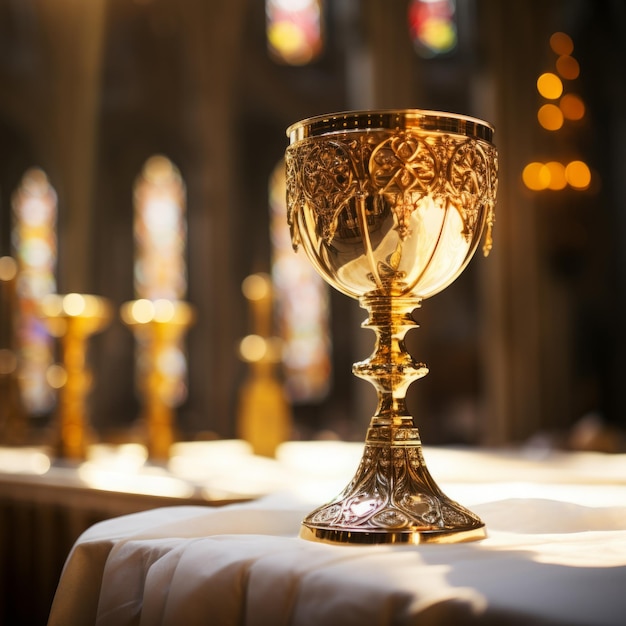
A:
[(294, 30), (432, 25), (160, 230), (35, 248), (302, 307)]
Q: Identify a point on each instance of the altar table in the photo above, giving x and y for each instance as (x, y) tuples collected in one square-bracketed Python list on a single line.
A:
[(555, 555)]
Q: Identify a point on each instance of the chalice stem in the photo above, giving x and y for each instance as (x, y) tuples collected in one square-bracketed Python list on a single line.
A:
[(390, 368), (392, 497)]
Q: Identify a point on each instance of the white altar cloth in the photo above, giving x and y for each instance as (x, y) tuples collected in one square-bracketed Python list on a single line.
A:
[(555, 554)]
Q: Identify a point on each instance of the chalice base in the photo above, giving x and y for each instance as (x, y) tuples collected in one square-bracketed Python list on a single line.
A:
[(392, 499)]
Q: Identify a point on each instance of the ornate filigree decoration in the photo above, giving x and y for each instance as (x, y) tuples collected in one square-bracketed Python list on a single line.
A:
[(392, 489), (403, 168)]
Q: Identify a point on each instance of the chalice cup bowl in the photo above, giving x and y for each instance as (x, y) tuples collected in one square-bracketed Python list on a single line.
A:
[(389, 207)]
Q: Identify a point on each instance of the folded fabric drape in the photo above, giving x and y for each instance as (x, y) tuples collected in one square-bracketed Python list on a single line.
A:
[(555, 554)]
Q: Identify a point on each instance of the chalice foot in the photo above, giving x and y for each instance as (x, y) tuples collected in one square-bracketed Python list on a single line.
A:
[(392, 499)]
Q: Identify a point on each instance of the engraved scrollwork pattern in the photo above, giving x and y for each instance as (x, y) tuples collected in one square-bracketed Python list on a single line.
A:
[(402, 167), (392, 489)]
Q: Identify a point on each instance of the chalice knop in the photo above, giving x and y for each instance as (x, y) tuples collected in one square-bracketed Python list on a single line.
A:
[(390, 206)]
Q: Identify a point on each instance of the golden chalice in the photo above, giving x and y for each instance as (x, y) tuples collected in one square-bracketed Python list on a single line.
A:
[(390, 207)]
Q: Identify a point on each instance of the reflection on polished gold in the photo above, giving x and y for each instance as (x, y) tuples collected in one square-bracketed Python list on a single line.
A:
[(390, 206), (159, 327), (73, 318)]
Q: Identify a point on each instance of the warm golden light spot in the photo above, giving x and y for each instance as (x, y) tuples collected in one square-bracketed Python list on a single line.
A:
[(550, 117), (73, 304), (142, 311), (8, 268), (561, 44), (164, 310), (557, 175), (536, 176), (568, 67), (549, 85), (256, 286), (52, 305), (578, 175), (572, 106), (253, 348), (56, 376)]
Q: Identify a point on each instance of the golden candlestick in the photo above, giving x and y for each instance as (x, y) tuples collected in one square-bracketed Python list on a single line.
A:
[(390, 207), (158, 326), (73, 318), (264, 417)]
